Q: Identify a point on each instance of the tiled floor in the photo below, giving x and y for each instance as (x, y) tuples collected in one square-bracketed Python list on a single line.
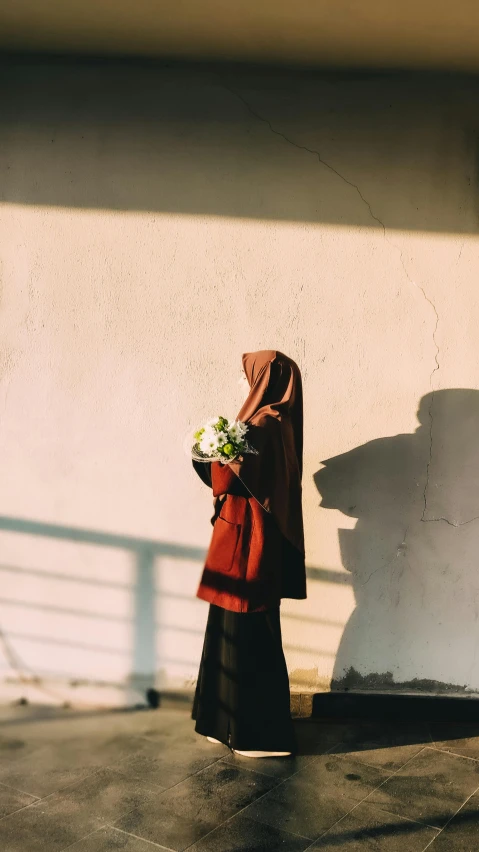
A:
[(143, 780)]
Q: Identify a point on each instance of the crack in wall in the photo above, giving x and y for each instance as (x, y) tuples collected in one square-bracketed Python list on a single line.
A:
[(431, 382), (451, 523), (413, 283), (312, 151)]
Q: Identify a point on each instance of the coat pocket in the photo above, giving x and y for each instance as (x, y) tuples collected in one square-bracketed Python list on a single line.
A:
[(223, 545)]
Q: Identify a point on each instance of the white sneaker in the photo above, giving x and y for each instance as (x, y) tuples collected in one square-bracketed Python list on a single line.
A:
[(212, 740), (262, 753)]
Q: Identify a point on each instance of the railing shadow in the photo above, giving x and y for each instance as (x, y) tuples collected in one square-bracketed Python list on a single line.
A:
[(143, 591), (144, 624)]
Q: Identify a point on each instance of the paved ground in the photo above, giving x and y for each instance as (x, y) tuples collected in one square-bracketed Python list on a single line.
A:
[(140, 781)]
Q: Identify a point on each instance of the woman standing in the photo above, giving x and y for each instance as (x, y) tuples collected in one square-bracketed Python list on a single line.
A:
[(256, 557)]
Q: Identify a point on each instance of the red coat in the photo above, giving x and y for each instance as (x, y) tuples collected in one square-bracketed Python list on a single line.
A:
[(250, 565)]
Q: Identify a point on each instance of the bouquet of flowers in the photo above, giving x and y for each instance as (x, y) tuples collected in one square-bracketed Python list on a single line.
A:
[(220, 440)]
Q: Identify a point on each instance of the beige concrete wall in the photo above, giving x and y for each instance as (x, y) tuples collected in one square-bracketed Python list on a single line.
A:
[(153, 226)]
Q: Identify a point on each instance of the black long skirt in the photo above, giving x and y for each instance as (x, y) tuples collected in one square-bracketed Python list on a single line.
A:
[(242, 695)]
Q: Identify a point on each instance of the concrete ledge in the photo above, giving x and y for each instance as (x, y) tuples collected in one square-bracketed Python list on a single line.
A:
[(383, 706)]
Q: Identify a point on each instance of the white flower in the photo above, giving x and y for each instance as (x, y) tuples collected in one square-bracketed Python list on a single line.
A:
[(237, 430), (222, 438), (211, 422), (209, 441)]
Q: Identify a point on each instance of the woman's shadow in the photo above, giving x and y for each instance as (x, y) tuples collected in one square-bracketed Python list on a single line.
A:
[(414, 552)]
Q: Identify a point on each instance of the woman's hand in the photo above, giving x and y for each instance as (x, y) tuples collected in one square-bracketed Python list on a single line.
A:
[(236, 459)]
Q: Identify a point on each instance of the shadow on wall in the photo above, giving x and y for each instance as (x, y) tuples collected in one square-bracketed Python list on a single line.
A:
[(413, 554), (395, 151), (412, 562)]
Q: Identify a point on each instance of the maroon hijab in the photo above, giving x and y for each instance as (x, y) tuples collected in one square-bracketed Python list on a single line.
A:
[(274, 412)]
